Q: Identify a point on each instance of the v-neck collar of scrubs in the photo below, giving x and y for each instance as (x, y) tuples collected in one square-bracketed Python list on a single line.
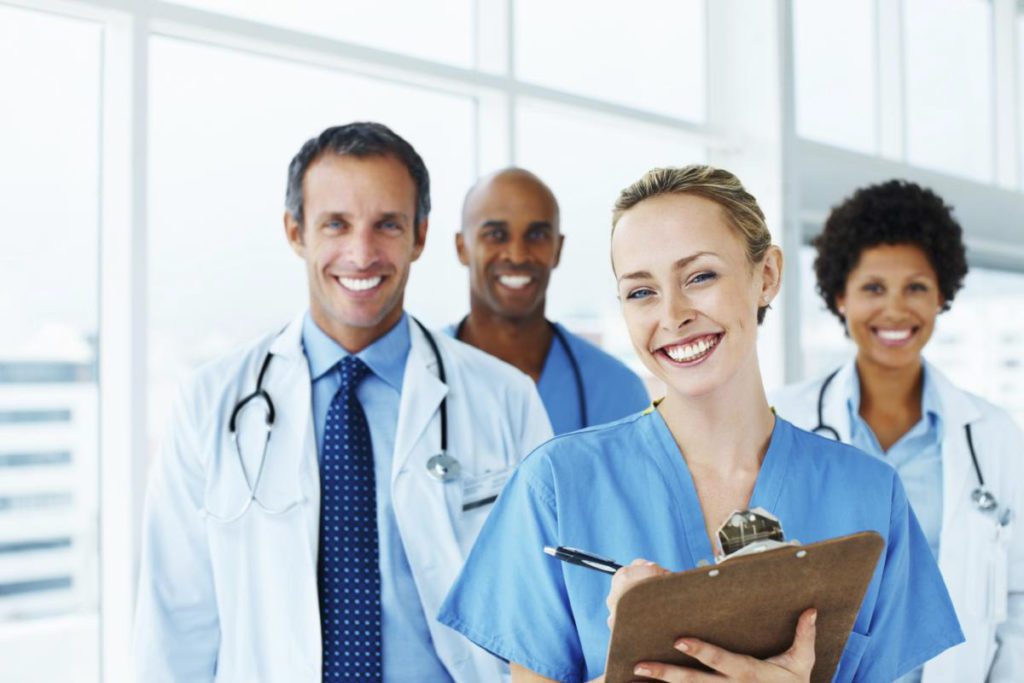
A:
[(767, 488)]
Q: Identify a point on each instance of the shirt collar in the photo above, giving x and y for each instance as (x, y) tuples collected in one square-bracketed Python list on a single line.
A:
[(931, 406), (386, 356)]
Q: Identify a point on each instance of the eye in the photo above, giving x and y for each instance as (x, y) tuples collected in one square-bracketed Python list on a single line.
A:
[(390, 225), (334, 224), (706, 276), (918, 287), (538, 235), (873, 288), (495, 235), (640, 293)]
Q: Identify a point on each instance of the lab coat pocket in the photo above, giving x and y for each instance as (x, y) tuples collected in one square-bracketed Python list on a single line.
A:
[(856, 644)]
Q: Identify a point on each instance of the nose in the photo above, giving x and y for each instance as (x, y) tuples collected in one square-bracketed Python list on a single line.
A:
[(895, 303), (516, 251), (676, 311), (361, 248)]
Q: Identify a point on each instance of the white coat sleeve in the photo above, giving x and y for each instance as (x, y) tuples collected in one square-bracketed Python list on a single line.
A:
[(1008, 666), (535, 427), (177, 633)]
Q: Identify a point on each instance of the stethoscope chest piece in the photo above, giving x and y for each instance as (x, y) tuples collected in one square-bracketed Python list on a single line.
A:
[(984, 500), (444, 467)]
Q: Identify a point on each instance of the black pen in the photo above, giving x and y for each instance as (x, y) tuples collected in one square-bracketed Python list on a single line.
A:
[(574, 556)]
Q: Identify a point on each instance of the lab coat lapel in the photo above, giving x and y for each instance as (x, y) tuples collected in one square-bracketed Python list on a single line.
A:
[(958, 476), (835, 412), (290, 387), (422, 393)]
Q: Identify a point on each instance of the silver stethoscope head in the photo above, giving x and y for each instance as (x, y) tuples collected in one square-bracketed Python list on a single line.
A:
[(984, 500), (444, 467)]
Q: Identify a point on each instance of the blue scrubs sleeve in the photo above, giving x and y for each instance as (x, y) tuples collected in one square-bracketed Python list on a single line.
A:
[(914, 619), (511, 598)]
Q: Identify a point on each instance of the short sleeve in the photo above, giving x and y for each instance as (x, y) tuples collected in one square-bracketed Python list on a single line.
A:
[(913, 620), (511, 598)]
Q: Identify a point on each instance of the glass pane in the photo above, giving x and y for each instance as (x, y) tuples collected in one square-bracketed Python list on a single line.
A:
[(557, 144), (648, 54), (975, 343), (834, 45), (440, 30), (949, 86), (223, 132), (49, 243)]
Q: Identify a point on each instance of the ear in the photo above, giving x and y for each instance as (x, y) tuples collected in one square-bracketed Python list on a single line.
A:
[(293, 233), (560, 242), (460, 248), (419, 237), (771, 274)]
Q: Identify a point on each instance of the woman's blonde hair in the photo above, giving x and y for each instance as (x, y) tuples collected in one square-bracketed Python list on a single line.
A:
[(715, 184)]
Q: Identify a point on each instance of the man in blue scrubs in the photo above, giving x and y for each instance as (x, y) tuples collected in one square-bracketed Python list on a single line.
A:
[(510, 241)]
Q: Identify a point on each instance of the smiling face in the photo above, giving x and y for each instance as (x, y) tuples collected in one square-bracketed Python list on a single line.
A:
[(689, 293), (890, 303), (358, 241), (511, 243)]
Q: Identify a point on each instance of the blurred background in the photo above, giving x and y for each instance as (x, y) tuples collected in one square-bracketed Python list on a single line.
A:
[(143, 151)]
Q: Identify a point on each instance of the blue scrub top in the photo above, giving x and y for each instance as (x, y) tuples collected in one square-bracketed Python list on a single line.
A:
[(623, 491), (612, 390)]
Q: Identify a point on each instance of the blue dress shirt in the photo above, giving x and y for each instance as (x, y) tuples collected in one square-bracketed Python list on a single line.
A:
[(611, 389), (917, 457), (408, 651)]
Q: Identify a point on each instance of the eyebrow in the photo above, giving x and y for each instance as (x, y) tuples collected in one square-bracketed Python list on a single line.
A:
[(678, 265), (387, 215), (533, 225)]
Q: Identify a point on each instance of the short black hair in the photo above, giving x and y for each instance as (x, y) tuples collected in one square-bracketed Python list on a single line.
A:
[(359, 139), (893, 212)]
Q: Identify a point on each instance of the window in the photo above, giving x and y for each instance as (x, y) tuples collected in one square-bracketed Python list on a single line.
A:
[(440, 30), (834, 50), (647, 55), (49, 463), (948, 47)]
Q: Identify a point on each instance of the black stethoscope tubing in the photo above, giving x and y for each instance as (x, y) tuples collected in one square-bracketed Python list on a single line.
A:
[(261, 393), (581, 396), (982, 497)]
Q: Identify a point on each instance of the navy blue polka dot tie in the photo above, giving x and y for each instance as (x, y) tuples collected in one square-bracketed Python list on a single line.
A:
[(349, 566)]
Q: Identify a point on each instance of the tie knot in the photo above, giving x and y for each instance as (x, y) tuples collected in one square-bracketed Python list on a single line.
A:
[(353, 371)]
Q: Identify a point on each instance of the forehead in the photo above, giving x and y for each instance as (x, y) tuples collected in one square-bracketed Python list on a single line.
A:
[(512, 196), (347, 182), (896, 260), (663, 229)]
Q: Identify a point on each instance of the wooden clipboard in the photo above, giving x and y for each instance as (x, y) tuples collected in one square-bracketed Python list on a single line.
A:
[(748, 604)]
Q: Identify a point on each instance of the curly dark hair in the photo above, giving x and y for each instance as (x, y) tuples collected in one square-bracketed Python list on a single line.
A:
[(893, 212)]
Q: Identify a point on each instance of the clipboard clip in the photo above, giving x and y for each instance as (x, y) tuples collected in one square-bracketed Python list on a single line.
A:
[(745, 532)]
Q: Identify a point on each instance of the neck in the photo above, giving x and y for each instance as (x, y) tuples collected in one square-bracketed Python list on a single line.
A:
[(522, 342), (888, 389), (727, 430), (351, 338)]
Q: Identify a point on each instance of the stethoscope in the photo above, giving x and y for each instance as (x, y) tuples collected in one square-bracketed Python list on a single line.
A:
[(984, 500), (442, 467), (581, 396)]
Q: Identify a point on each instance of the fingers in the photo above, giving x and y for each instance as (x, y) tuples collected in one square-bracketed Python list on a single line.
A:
[(628, 576), (799, 658), (673, 674), (739, 667)]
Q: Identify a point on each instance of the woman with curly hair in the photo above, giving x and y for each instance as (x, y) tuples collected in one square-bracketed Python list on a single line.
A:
[(890, 259)]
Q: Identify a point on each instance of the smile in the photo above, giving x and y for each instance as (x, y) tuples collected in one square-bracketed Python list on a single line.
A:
[(693, 351), (360, 284), (894, 337), (514, 281)]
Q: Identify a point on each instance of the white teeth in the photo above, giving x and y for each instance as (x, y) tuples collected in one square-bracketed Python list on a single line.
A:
[(515, 281), (360, 284), (684, 353), (894, 335)]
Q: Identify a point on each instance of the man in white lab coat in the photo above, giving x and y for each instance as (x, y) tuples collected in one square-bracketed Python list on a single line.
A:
[(312, 531)]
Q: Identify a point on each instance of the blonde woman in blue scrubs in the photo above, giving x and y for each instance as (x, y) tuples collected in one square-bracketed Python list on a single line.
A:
[(696, 271)]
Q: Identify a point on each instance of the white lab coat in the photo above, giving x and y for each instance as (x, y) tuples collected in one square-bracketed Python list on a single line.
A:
[(237, 602), (982, 563)]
